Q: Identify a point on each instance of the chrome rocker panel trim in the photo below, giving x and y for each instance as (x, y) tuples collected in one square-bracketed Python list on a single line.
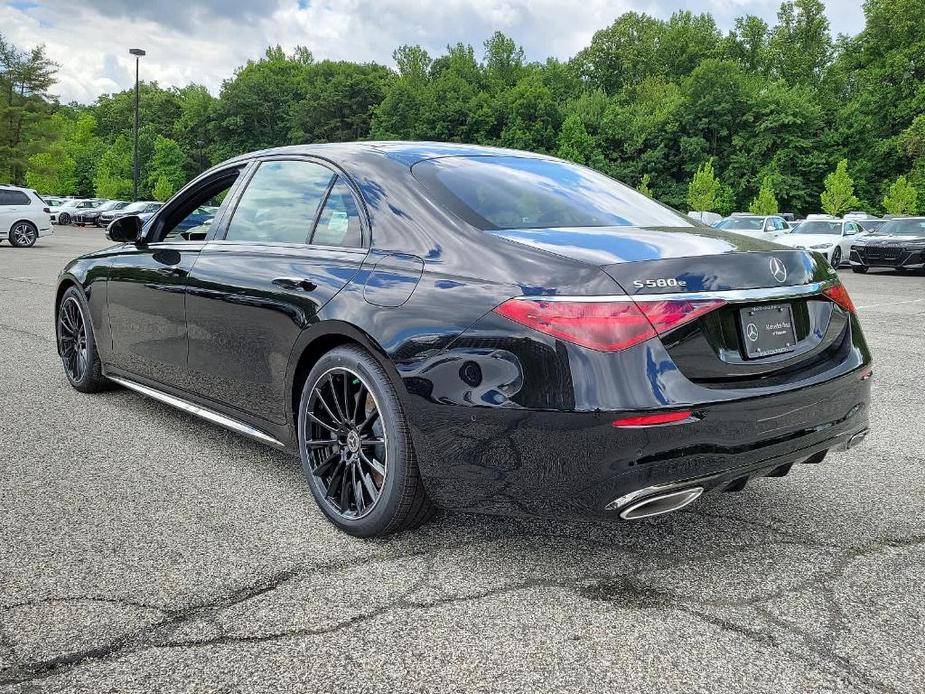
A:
[(202, 412)]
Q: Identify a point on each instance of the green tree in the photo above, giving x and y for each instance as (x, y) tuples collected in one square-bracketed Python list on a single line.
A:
[(801, 46), (901, 198), (113, 177), (838, 196), (577, 145), (167, 168), (704, 189), (643, 186), (764, 202)]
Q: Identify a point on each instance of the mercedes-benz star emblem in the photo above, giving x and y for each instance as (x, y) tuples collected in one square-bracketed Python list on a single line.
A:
[(751, 332), (778, 270)]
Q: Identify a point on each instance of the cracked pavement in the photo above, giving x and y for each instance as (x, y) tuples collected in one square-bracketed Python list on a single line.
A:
[(143, 550)]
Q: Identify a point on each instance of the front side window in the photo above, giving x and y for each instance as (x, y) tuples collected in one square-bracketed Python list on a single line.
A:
[(509, 192), (339, 222), (280, 203)]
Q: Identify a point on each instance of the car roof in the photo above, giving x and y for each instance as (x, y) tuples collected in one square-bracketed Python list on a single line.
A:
[(406, 152)]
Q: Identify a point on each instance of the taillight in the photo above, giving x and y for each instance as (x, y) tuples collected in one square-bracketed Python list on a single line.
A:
[(604, 326), (607, 326), (840, 296), (668, 315)]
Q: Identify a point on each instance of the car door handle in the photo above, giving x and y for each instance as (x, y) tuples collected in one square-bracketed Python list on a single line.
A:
[(295, 283)]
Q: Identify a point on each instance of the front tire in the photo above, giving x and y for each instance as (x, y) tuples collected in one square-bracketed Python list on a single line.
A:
[(860, 269), (24, 234), (77, 343), (356, 447), (836, 257)]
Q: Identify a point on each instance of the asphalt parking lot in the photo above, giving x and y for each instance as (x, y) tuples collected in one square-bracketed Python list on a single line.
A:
[(143, 550)]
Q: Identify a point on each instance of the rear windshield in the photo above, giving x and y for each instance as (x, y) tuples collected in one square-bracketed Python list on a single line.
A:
[(524, 193), (833, 228), (902, 227), (745, 223)]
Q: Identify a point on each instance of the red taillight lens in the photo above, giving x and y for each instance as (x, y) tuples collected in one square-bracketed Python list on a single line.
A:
[(667, 315), (607, 326), (648, 420), (604, 326), (839, 295)]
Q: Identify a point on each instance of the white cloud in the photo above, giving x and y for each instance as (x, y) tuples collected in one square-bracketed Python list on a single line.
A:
[(203, 41)]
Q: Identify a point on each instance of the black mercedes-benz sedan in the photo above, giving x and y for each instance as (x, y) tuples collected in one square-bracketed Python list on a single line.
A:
[(432, 325), (899, 245)]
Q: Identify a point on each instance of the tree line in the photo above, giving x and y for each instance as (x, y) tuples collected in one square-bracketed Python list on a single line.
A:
[(783, 117)]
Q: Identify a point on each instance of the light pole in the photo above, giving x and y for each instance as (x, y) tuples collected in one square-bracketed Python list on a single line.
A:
[(137, 52)]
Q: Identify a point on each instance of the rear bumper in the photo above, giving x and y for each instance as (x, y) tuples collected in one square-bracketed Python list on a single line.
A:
[(572, 463)]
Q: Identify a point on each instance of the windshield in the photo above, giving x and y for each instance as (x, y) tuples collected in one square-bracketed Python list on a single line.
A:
[(832, 228), (746, 223), (135, 207), (111, 205), (508, 192), (904, 227)]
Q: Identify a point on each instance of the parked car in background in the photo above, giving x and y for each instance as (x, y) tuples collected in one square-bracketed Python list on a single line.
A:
[(133, 208), (24, 216), (831, 237), (91, 216), (66, 212), (899, 244), (448, 325), (710, 218), (757, 226)]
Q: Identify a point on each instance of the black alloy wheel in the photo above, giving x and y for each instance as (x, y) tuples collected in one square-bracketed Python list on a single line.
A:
[(836, 257), (72, 337), (64, 218), (348, 443), (23, 234), (356, 448), (76, 344)]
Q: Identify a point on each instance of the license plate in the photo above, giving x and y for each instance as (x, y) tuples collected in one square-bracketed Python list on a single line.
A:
[(767, 330)]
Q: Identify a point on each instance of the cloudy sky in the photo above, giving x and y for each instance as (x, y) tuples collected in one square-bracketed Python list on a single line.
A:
[(204, 40)]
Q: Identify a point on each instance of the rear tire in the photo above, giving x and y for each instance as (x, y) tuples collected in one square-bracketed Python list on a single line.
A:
[(64, 218), (77, 344), (23, 234), (836, 257), (860, 269), (356, 448)]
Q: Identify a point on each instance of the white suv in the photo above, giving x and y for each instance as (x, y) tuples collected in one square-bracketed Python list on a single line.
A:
[(24, 216)]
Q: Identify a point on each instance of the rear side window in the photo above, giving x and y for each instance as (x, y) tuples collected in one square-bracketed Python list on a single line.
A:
[(521, 193), (280, 203), (13, 197), (339, 223)]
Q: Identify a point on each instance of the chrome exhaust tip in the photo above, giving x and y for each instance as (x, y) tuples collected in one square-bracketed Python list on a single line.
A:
[(661, 503), (855, 440)]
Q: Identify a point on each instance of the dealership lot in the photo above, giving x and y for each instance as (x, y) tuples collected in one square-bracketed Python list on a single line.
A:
[(144, 550)]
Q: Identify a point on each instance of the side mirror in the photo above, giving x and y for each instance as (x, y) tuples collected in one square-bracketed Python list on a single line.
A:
[(124, 229)]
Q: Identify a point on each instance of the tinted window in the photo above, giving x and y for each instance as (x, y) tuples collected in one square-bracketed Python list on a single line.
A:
[(280, 203), (339, 222), (524, 193), (743, 223), (815, 227), (913, 227), (13, 197)]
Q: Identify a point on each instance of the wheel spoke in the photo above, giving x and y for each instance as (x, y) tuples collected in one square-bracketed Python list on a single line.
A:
[(350, 412), (321, 423), (372, 417), (340, 411), (369, 484), (372, 442), (320, 397), (327, 464), (373, 463), (358, 492), (345, 489), (337, 480), (321, 443)]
